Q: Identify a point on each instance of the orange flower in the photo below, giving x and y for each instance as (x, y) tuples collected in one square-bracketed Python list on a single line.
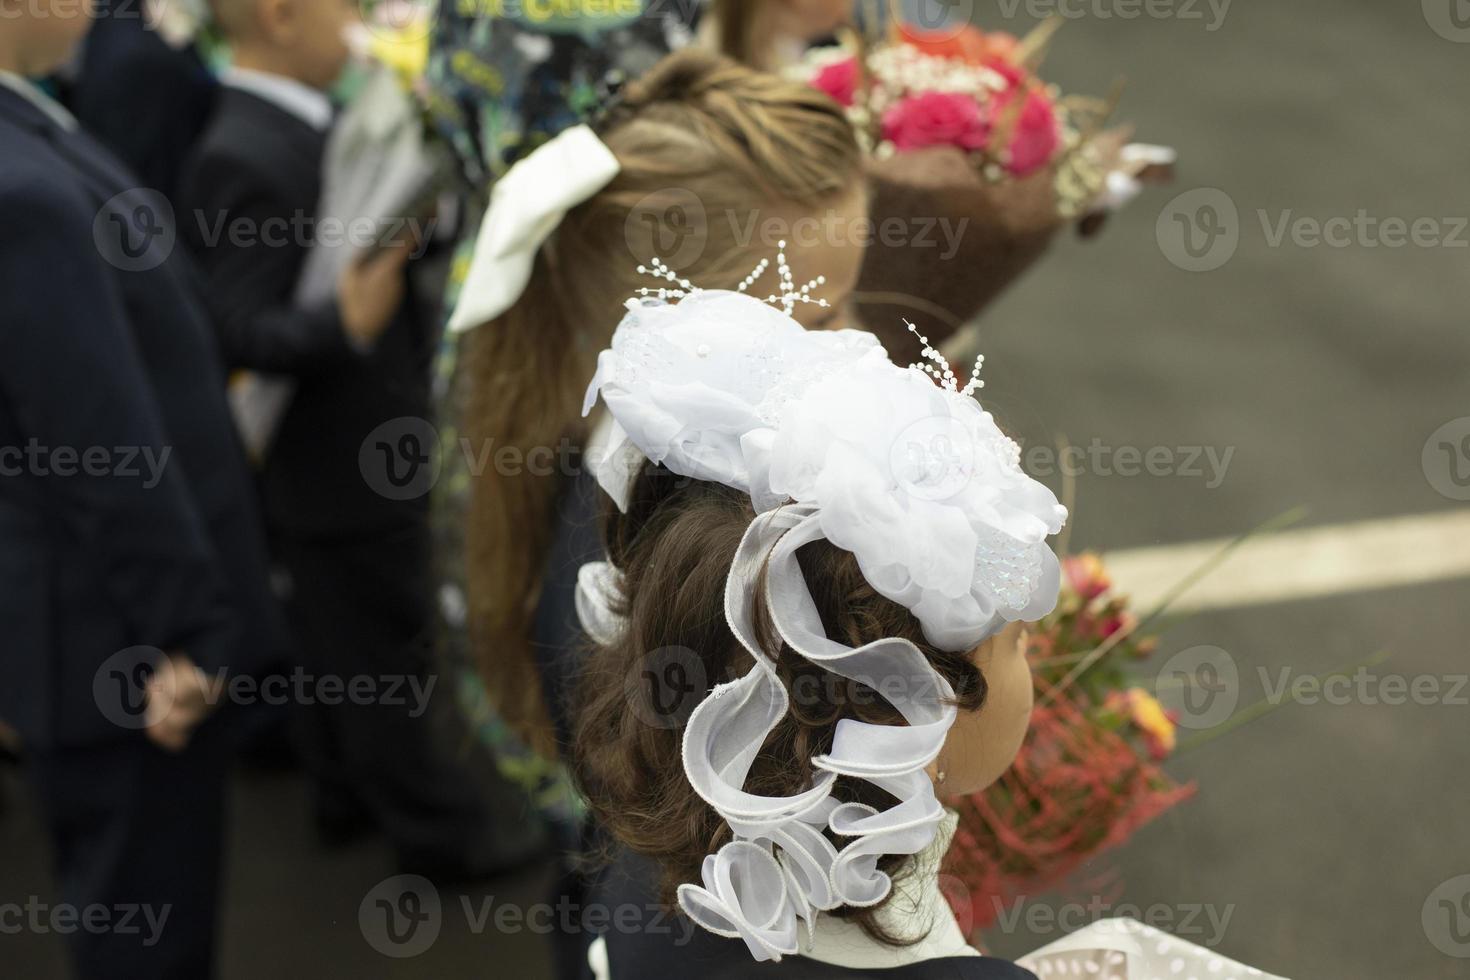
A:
[(970, 45), (1151, 719)]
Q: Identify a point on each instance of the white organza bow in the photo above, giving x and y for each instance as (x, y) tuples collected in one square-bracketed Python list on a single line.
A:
[(526, 205), (831, 440)]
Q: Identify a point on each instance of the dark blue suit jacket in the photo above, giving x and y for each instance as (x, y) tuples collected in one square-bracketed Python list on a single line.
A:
[(107, 363), (143, 99)]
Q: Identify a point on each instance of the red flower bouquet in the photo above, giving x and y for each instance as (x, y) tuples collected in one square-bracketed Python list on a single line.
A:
[(960, 128), (1087, 776)]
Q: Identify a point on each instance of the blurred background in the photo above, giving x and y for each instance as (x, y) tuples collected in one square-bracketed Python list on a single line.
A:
[(1265, 320)]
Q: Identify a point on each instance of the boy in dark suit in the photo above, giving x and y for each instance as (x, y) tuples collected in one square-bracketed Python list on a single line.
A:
[(356, 550), (128, 525)]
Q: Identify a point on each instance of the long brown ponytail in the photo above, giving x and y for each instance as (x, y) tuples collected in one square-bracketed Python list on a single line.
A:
[(703, 144)]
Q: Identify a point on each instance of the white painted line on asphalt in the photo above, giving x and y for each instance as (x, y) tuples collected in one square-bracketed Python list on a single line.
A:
[(1320, 561)]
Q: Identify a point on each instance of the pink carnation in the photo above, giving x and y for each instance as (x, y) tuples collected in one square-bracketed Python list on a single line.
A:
[(1036, 137), (936, 119), (838, 80)]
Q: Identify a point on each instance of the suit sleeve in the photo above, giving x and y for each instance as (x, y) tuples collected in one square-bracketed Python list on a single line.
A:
[(71, 374), (245, 243)]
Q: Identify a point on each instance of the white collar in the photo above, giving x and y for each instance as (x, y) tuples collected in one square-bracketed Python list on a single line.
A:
[(38, 98), (287, 94), (917, 910)]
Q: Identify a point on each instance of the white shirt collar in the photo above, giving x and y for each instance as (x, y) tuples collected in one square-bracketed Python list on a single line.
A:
[(917, 911), (287, 94), (38, 98)]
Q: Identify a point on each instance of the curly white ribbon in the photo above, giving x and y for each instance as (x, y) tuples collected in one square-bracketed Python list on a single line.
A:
[(781, 868)]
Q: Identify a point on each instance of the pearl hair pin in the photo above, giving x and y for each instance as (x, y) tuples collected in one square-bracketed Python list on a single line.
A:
[(787, 299), (940, 370)]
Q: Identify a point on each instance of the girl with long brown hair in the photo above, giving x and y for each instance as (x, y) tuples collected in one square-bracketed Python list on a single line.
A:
[(715, 164)]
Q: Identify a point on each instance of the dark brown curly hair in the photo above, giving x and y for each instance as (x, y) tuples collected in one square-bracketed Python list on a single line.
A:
[(674, 547)]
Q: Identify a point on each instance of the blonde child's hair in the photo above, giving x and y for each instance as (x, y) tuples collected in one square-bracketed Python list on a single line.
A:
[(700, 138)]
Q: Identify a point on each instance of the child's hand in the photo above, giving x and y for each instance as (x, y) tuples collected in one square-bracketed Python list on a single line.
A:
[(180, 696), (370, 292)]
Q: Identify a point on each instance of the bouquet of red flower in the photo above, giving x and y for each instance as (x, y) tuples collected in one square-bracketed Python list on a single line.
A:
[(958, 124), (969, 90), (1086, 777)]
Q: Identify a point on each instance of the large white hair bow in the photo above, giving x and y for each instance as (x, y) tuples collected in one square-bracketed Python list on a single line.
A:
[(526, 205), (831, 440)]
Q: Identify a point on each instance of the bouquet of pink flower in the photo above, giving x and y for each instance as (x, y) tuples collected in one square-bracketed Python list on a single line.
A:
[(1086, 777), (970, 90), (959, 125)]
